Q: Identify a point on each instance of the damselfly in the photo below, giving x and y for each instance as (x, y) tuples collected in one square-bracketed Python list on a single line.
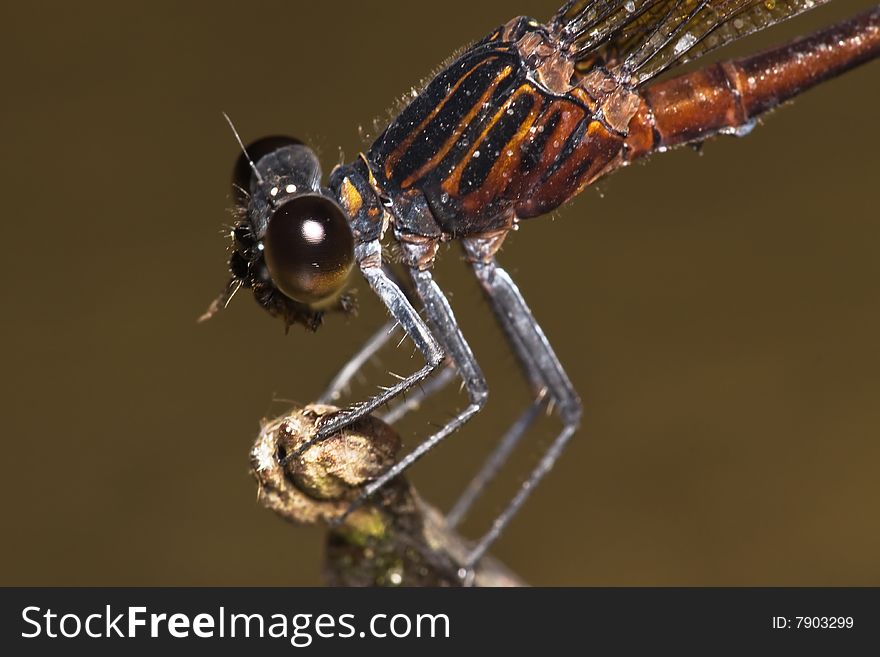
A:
[(515, 126)]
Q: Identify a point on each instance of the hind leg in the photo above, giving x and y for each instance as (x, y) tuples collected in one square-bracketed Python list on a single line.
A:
[(539, 364)]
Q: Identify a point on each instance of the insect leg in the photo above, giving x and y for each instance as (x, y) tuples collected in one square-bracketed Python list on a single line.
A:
[(440, 315), (341, 382), (415, 400), (369, 259), (494, 462), (538, 358)]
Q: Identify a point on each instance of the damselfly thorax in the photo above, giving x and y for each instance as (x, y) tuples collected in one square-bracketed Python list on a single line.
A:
[(515, 126), (505, 133)]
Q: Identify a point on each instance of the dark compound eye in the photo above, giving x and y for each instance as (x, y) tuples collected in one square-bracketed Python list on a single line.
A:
[(308, 248), (241, 173)]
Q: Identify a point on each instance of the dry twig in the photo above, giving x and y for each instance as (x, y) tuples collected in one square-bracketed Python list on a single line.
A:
[(394, 539)]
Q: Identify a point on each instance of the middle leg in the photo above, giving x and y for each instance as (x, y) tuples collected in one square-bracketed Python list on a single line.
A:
[(341, 383), (446, 331)]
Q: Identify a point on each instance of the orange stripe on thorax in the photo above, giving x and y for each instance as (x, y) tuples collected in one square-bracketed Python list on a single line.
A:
[(399, 152), (451, 184), (459, 129), (505, 169)]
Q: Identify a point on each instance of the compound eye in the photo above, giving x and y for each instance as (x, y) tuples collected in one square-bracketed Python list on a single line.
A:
[(241, 173), (309, 248)]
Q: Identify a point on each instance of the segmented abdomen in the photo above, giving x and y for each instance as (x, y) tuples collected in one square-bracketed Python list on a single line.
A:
[(483, 141)]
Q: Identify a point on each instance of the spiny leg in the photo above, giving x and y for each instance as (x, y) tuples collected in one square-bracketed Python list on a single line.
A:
[(496, 459), (494, 462), (415, 400), (342, 381), (407, 402), (369, 259), (537, 358), (447, 332)]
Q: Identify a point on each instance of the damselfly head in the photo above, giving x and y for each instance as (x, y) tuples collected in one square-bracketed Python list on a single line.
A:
[(245, 164), (292, 243)]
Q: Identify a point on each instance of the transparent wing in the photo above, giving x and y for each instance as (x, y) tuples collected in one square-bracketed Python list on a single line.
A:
[(639, 39), (601, 30)]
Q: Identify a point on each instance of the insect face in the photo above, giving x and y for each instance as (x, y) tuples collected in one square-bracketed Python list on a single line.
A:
[(292, 244)]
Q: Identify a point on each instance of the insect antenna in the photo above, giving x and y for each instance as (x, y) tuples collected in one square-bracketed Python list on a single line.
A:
[(243, 149)]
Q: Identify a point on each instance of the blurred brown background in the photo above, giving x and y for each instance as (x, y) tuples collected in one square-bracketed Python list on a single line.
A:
[(718, 313)]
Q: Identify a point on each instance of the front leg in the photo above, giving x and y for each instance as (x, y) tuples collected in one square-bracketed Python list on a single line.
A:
[(443, 321), (341, 383), (369, 259)]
